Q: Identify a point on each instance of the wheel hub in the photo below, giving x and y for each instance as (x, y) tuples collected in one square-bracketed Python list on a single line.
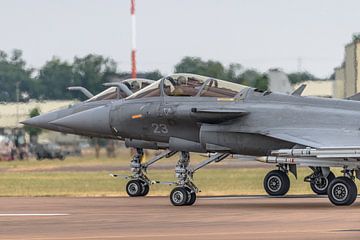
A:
[(340, 192), (178, 197), (321, 183), (133, 188), (274, 183)]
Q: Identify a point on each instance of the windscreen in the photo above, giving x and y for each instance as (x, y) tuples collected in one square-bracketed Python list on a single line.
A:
[(220, 88), (153, 90), (108, 94), (183, 85)]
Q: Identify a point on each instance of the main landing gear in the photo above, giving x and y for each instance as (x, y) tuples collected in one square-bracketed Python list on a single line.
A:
[(320, 179), (277, 183), (139, 184), (342, 191), (185, 192)]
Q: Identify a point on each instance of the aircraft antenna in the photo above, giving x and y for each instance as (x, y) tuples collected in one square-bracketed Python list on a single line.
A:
[(133, 39), (299, 64)]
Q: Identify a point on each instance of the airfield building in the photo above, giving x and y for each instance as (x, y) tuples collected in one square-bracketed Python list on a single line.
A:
[(317, 88), (347, 76)]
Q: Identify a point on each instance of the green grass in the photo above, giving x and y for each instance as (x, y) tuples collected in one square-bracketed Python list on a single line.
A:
[(122, 159), (33, 178), (210, 181), (33, 164)]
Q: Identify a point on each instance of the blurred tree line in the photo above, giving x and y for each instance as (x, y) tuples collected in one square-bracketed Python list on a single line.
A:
[(91, 71), (235, 72), (52, 79)]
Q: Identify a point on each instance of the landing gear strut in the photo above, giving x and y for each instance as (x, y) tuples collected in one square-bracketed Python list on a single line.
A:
[(342, 191), (139, 184), (185, 192)]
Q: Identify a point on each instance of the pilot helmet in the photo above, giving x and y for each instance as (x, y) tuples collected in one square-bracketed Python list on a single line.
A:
[(182, 80)]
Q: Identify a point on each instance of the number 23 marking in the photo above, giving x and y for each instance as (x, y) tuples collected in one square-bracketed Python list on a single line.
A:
[(160, 128)]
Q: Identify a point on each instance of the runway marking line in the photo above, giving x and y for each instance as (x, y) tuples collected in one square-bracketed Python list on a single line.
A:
[(32, 214), (328, 231)]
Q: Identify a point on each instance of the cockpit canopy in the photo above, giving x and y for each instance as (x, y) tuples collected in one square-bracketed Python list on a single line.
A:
[(113, 93), (190, 85), (135, 84), (107, 94)]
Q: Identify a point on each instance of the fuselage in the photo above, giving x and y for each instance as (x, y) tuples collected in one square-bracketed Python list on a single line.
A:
[(170, 120)]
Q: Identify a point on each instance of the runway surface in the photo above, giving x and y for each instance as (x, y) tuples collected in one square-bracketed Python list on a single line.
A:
[(254, 217)]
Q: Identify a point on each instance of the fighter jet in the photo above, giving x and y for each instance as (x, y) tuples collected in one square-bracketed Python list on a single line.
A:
[(192, 113)]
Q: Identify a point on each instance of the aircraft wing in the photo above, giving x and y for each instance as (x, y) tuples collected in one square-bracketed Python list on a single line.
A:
[(317, 138)]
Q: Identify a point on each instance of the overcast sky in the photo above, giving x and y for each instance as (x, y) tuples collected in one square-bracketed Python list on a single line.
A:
[(259, 34)]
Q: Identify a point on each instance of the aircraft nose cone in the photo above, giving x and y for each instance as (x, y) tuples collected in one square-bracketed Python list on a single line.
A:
[(92, 121), (41, 121)]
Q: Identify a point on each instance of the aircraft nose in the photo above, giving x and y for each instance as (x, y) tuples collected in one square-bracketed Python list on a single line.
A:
[(41, 121), (92, 121)]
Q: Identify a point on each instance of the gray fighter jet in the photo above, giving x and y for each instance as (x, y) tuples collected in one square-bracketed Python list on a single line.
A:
[(192, 113)]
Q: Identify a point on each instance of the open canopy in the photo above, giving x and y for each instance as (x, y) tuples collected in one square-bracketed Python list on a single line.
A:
[(112, 93), (108, 94), (190, 85)]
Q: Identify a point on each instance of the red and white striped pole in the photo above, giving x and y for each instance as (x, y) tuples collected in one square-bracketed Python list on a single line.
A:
[(133, 40)]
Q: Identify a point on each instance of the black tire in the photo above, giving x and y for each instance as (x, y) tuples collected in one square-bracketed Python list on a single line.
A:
[(276, 183), (321, 187), (145, 189), (134, 188), (179, 196), (191, 197), (342, 191)]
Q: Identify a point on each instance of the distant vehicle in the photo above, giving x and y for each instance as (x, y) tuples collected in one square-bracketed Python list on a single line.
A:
[(7, 148), (49, 151)]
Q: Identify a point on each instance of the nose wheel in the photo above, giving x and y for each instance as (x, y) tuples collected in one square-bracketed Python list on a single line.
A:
[(182, 196), (185, 192), (137, 188), (139, 184)]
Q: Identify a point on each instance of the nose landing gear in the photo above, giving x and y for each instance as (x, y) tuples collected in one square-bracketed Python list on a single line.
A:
[(139, 184), (185, 192)]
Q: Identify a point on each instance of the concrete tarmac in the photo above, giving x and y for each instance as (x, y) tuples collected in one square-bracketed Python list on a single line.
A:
[(254, 217)]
